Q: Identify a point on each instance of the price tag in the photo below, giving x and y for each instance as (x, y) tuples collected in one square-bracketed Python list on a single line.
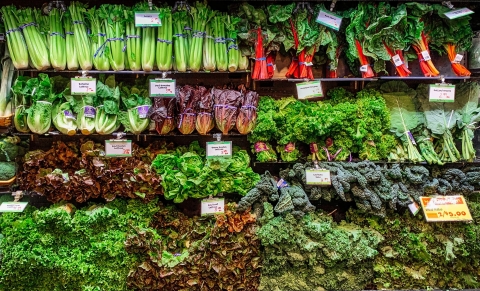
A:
[(83, 86), (219, 149), (89, 111), (397, 60), (162, 88), (118, 148), (143, 19), (414, 208), (282, 183), (442, 93), (143, 111), (306, 90), (213, 206), (458, 59), (364, 68), (318, 177), (329, 20), (13, 206), (458, 13), (445, 208), (426, 56)]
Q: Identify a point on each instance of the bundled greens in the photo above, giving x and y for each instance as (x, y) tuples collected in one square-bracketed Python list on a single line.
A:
[(36, 44), (56, 41), (114, 46), (98, 39), (164, 41), (39, 115)]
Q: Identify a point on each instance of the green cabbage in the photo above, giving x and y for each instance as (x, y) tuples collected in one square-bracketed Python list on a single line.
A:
[(107, 101), (63, 119)]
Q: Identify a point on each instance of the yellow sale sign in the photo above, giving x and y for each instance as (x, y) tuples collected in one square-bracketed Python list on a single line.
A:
[(445, 208)]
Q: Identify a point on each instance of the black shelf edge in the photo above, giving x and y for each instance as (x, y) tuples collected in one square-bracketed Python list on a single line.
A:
[(130, 72), (273, 164), (130, 135)]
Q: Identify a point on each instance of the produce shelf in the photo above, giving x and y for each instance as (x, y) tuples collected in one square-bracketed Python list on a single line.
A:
[(366, 79), (130, 72)]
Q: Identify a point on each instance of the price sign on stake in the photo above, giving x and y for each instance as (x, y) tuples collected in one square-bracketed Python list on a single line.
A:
[(13, 206), (83, 86), (219, 149), (318, 177), (458, 13), (442, 93), (306, 90), (329, 19), (213, 206), (143, 19), (445, 208), (118, 148), (162, 88)]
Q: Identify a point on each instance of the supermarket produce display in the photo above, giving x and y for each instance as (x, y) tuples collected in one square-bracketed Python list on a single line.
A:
[(257, 146)]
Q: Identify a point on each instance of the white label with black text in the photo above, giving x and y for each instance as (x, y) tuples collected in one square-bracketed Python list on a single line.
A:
[(442, 93), (458, 13), (329, 19), (426, 56), (397, 60), (318, 177), (118, 148), (13, 206), (219, 149), (83, 86), (213, 206), (151, 19)]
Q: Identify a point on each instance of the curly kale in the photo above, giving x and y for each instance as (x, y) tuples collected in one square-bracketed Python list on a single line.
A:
[(266, 187)]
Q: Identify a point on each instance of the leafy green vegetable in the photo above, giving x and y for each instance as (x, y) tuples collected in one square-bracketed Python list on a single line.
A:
[(107, 102)]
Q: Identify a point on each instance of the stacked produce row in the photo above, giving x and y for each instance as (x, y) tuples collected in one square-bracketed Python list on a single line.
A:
[(42, 101), (385, 121), (198, 38), (136, 246)]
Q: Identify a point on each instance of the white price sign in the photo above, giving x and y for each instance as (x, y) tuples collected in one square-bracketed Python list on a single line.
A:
[(458, 59), (426, 56), (162, 88), (83, 86), (143, 19), (13, 206), (329, 19), (213, 206), (118, 148), (442, 93), (219, 149), (318, 177), (306, 90), (458, 13), (397, 60)]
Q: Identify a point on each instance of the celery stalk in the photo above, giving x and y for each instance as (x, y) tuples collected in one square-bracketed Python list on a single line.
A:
[(15, 41), (180, 41), (56, 40), (114, 19), (134, 44), (82, 43), (36, 43), (201, 15), (220, 43), (98, 38), (232, 46), (164, 41), (148, 48), (209, 63), (71, 56)]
